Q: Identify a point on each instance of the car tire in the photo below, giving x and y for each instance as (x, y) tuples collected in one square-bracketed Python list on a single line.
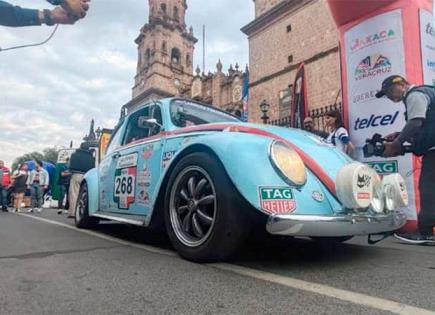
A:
[(204, 214), (81, 217), (331, 240)]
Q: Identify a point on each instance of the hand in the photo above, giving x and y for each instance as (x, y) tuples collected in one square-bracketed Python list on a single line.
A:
[(60, 16), (76, 8), (45, 187), (392, 149), (392, 136)]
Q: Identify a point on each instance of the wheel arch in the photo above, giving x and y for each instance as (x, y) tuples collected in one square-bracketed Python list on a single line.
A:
[(91, 180), (157, 216)]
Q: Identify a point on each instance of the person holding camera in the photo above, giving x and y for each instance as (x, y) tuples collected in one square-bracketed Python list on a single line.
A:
[(65, 12), (419, 131)]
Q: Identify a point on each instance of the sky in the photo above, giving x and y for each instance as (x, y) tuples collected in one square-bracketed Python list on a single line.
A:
[(50, 93)]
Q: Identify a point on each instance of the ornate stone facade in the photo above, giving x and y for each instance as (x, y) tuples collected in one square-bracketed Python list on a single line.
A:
[(165, 63), (284, 34), (165, 53), (223, 90)]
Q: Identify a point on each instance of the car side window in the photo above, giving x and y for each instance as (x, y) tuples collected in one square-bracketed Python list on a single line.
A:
[(156, 113), (114, 141), (137, 128)]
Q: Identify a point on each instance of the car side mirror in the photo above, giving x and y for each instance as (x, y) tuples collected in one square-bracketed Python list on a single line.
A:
[(146, 122)]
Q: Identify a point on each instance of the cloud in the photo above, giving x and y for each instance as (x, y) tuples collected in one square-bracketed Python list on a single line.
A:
[(50, 93)]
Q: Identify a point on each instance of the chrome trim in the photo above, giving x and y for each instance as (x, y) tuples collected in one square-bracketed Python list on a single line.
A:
[(340, 225), (117, 218)]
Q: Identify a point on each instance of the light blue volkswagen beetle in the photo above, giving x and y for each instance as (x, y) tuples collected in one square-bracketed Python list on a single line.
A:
[(210, 179)]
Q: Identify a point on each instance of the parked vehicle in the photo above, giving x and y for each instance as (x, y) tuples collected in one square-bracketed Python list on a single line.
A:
[(209, 178)]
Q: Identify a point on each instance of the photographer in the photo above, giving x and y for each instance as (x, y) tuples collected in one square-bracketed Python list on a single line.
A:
[(420, 132)]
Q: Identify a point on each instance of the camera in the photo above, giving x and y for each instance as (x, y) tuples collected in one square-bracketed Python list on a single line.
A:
[(374, 146)]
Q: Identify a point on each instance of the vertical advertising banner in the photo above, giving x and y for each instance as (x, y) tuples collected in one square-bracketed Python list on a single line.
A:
[(374, 50), (427, 35), (104, 141)]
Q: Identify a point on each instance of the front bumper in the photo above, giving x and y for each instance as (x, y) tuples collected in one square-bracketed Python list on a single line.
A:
[(334, 226)]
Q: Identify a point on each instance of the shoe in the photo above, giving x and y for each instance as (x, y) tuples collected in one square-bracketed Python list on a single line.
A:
[(416, 238), (30, 210), (5, 209), (39, 210), (59, 211), (18, 210)]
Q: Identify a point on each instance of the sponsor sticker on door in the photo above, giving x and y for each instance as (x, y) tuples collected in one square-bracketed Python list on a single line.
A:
[(277, 199)]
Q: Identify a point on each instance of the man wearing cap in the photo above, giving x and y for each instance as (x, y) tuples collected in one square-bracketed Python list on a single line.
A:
[(308, 125), (420, 132)]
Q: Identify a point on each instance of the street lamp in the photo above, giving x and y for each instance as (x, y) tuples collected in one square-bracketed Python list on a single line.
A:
[(264, 106)]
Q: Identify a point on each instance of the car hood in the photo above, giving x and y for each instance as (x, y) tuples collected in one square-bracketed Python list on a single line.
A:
[(329, 158)]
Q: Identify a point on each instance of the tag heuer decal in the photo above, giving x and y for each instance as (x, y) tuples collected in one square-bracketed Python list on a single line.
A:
[(277, 199)]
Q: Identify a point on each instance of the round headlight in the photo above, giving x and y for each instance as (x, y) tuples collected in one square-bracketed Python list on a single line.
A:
[(288, 164), (396, 195), (390, 203), (377, 203)]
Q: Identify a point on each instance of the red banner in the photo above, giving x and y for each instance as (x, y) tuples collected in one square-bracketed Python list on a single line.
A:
[(299, 106)]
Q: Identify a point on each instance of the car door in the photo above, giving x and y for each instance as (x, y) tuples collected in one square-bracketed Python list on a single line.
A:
[(106, 170), (138, 166)]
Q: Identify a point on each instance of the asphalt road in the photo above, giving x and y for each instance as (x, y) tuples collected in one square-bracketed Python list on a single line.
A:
[(49, 267)]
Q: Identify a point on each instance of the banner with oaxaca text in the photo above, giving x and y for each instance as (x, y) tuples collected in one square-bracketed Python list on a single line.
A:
[(374, 50)]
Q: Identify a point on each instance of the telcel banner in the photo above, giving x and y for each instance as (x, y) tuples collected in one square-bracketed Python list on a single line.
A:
[(374, 50), (427, 35)]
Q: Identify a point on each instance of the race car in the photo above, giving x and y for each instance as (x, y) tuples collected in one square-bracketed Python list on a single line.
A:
[(210, 180)]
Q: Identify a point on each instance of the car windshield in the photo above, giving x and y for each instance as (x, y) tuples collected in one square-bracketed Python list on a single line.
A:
[(185, 114)]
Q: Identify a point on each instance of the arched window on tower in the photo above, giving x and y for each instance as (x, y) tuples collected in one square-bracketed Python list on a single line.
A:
[(188, 61), (175, 56), (163, 8), (164, 46), (176, 14)]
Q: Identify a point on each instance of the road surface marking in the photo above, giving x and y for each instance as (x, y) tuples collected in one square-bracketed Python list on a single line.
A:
[(321, 289), (151, 249), (325, 290)]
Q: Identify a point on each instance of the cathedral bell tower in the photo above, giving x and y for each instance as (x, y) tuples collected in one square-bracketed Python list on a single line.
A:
[(165, 53)]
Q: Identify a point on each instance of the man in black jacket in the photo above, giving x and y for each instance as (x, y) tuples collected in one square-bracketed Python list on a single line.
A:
[(66, 12), (419, 131), (81, 161)]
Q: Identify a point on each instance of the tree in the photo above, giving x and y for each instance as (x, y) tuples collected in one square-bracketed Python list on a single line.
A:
[(48, 154), (27, 157)]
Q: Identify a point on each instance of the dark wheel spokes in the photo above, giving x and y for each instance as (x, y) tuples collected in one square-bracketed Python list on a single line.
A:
[(193, 206), (82, 203)]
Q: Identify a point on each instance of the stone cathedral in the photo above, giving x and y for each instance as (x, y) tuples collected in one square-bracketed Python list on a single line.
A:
[(165, 63)]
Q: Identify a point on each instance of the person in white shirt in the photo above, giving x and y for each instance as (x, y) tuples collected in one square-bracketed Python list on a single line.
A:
[(338, 135), (37, 182)]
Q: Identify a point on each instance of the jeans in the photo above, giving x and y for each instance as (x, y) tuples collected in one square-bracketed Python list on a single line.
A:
[(37, 193), (426, 217), (63, 191), (3, 197)]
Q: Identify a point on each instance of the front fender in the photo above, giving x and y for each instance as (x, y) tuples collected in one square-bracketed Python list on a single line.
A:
[(91, 179), (245, 158)]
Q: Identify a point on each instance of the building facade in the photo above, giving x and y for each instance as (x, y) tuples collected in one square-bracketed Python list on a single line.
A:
[(165, 63), (284, 34)]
